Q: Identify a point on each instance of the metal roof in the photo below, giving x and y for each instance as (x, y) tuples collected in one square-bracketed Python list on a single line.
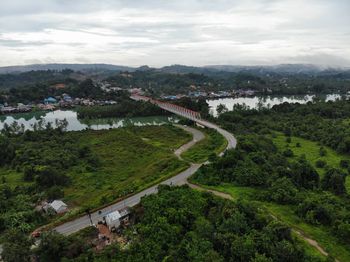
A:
[(57, 204)]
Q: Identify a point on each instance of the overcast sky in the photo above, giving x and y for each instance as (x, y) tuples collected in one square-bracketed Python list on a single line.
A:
[(190, 32)]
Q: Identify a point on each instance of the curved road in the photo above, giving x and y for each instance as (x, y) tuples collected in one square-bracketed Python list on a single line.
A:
[(180, 179), (197, 136)]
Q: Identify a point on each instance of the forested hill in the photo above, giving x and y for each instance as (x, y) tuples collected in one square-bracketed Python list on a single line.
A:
[(179, 79), (60, 67)]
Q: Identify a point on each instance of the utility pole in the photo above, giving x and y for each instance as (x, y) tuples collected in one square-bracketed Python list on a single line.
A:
[(89, 215)]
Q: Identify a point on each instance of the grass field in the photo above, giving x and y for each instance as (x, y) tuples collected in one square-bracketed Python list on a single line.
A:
[(212, 143), (12, 178), (131, 159), (311, 150)]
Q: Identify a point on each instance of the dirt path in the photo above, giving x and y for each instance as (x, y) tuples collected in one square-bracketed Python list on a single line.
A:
[(214, 192)]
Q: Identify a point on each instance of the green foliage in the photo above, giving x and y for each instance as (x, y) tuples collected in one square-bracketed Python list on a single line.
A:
[(213, 143), (297, 172), (54, 246), (7, 150), (125, 108), (320, 163), (334, 181), (221, 108), (323, 152), (180, 224), (344, 163), (53, 165), (17, 247), (282, 191), (288, 153)]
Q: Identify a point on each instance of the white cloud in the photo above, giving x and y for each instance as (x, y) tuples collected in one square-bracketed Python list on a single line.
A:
[(192, 32)]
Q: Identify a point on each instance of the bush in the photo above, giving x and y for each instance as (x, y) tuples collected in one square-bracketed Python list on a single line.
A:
[(334, 181), (288, 153), (321, 163), (323, 151), (283, 191), (54, 192), (342, 230), (344, 163)]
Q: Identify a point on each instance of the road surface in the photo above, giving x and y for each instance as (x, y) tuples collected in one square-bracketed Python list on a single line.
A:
[(197, 136)]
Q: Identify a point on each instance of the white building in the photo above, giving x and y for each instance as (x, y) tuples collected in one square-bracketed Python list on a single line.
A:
[(113, 219), (59, 206)]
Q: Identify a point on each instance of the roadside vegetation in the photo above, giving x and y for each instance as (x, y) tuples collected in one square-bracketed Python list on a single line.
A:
[(86, 169), (213, 144), (180, 224)]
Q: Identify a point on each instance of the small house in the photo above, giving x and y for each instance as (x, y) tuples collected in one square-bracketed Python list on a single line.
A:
[(50, 100), (59, 206), (115, 218), (67, 98)]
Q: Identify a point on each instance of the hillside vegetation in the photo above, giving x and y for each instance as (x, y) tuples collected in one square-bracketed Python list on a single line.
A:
[(86, 169), (293, 160)]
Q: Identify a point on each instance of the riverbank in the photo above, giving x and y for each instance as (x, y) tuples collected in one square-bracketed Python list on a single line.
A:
[(76, 124)]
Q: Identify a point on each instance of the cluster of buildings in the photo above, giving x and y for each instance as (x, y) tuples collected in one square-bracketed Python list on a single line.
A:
[(66, 101), (20, 108), (56, 206), (52, 103), (110, 228), (218, 94)]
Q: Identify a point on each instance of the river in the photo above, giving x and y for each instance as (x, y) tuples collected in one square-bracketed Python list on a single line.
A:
[(75, 124), (265, 101)]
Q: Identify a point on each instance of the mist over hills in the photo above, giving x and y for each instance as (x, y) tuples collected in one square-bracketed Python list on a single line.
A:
[(177, 69)]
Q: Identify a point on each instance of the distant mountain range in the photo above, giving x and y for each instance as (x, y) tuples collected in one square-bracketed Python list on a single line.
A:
[(176, 69), (74, 67)]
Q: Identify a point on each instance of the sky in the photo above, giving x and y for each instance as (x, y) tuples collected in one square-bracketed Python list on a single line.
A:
[(189, 32)]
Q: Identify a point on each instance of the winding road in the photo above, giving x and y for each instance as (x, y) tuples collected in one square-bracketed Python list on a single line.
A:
[(180, 179)]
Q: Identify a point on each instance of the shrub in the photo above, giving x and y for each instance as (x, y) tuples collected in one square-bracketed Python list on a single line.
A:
[(344, 163), (283, 191), (321, 163), (334, 181), (288, 153), (323, 151)]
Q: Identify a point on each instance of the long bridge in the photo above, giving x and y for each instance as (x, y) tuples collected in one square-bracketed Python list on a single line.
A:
[(189, 114)]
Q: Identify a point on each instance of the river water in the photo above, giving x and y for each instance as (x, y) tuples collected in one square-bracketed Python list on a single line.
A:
[(75, 124), (265, 101)]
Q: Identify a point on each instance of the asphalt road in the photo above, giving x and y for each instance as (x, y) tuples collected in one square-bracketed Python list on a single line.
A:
[(180, 179), (197, 136)]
